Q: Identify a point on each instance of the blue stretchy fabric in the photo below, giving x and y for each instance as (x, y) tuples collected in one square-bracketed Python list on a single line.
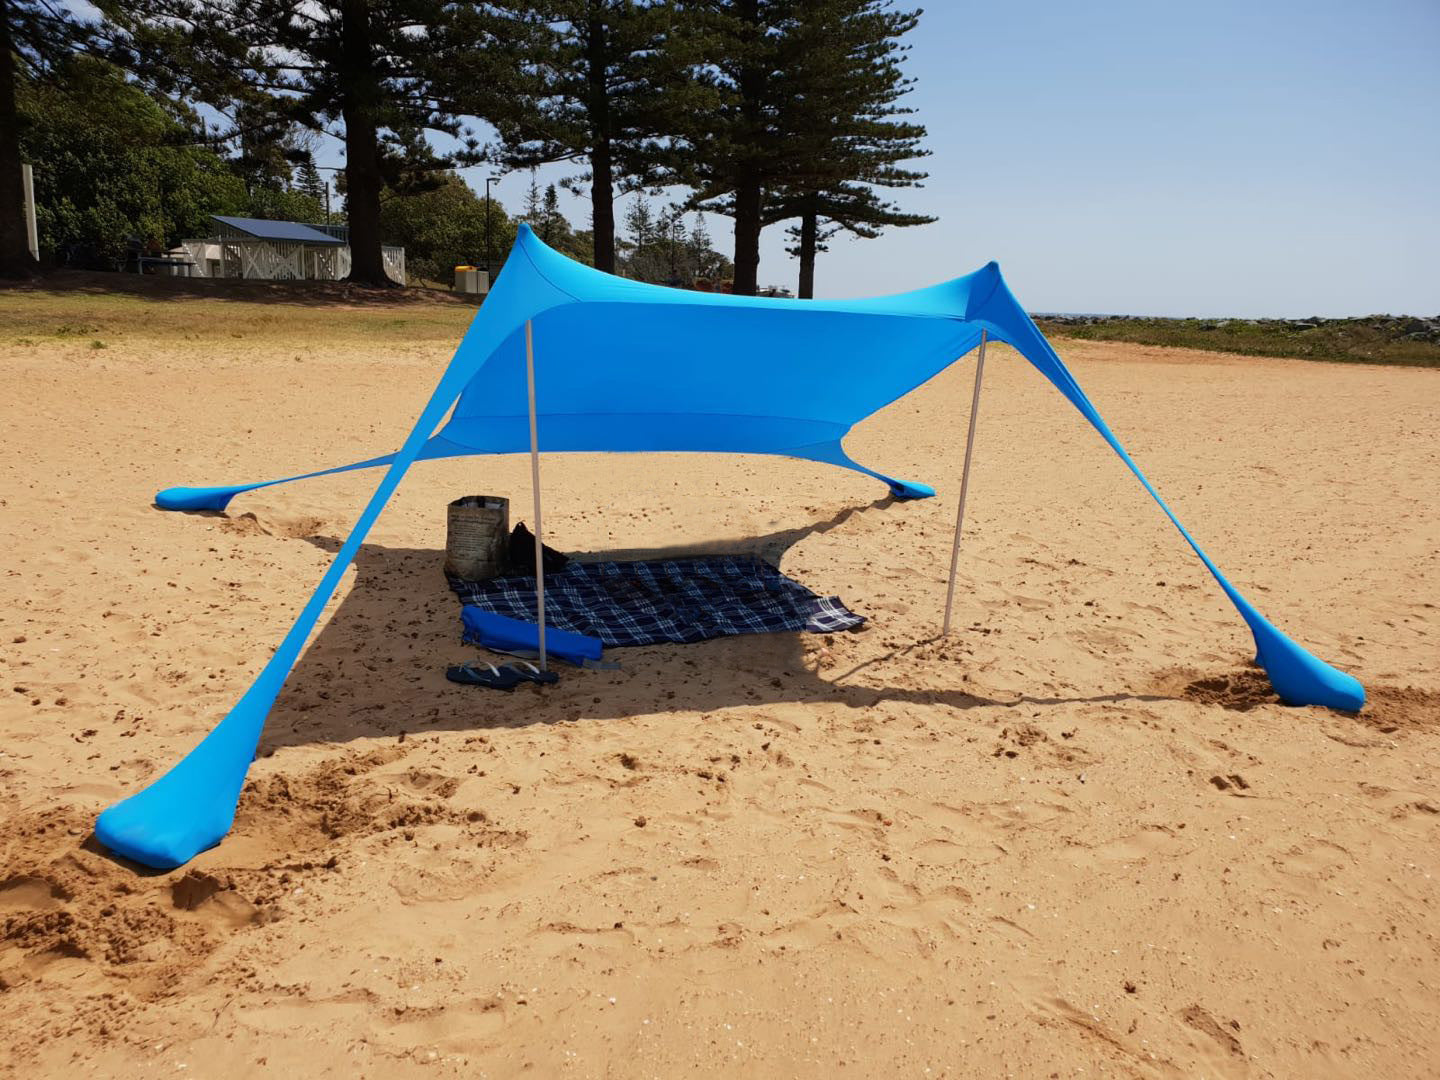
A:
[(625, 366), (502, 633)]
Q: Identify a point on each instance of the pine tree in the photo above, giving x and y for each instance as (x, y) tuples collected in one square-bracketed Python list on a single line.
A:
[(265, 150), (672, 224), (856, 134), (274, 160), (530, 212), (739, 143), (35, 35), (847, 207), (309, 182), (640, 223), (677, 250), (708, 263), (660, 248), (552, 221), (700, 234), (601, 87), (377, 73), (801, 100)]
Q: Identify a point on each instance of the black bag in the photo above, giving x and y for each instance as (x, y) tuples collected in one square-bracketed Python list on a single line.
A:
[(522, 553)]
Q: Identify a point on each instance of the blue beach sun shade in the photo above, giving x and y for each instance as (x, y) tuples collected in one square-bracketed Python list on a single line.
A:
[(625, 366)]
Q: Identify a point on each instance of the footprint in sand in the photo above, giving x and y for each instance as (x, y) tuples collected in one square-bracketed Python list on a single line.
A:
[(212, 900), (29, 893), (1156, 841), (1239, 690)]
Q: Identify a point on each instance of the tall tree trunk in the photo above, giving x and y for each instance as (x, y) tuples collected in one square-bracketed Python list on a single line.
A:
[(602, 207), (15, 260), (747, 233), (602, 164), (359, 108), (809, 231), (748, 191)]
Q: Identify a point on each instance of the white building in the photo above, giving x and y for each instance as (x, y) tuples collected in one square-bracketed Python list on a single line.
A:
[(278, 251)]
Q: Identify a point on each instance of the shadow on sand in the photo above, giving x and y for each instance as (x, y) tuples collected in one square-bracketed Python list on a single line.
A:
[(376, 667)]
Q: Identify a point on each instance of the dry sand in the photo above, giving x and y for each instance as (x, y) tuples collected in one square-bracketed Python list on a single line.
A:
[(1077, 838)]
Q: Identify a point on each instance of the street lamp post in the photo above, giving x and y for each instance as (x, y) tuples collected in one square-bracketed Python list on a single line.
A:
[(333, 169), (488, 181)]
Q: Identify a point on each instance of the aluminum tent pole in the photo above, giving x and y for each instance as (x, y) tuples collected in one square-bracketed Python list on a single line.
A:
[(535, 488), (965, 481)]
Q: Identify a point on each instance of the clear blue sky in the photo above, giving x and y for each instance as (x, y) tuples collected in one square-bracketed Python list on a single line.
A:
[(1271, 157)]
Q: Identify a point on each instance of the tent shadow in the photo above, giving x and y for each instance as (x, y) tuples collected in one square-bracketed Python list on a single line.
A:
[(376, 667), (770, 546)]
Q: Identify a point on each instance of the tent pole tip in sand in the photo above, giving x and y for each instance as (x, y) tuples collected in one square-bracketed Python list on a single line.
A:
[(964, 482), (535, 491)]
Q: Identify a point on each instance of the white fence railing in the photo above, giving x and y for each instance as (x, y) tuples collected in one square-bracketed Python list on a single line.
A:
[(281, 260)]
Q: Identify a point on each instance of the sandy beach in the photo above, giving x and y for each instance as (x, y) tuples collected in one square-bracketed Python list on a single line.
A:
[(1078, 837)]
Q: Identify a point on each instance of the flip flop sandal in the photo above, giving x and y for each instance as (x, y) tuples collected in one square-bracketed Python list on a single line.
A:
[(505, 678), (533, 674)]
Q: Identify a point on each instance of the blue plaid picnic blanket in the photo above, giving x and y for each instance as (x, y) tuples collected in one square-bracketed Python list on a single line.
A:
[(679, 600)]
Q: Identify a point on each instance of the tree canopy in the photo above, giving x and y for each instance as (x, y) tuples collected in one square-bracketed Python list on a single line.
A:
[(855, 132), (600, 84), (378, 74), (801, 113), (766, 111), (543, 214), (116, 166), (36, 37), (443, 227), (739, 142), (663, 249)]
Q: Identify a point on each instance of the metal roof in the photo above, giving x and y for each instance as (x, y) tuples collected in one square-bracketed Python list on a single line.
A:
[(278, 230)]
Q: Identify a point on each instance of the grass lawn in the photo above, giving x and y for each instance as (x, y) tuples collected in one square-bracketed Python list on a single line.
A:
[(103, 309)]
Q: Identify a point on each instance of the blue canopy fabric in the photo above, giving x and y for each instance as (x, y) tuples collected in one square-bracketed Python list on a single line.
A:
[(626, 366)]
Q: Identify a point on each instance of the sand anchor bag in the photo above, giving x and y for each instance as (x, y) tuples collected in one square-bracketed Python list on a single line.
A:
[(477, 537)]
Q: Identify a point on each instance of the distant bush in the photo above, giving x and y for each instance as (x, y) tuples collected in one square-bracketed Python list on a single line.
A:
[(443, 228), (1375, 339), (112, 164)]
